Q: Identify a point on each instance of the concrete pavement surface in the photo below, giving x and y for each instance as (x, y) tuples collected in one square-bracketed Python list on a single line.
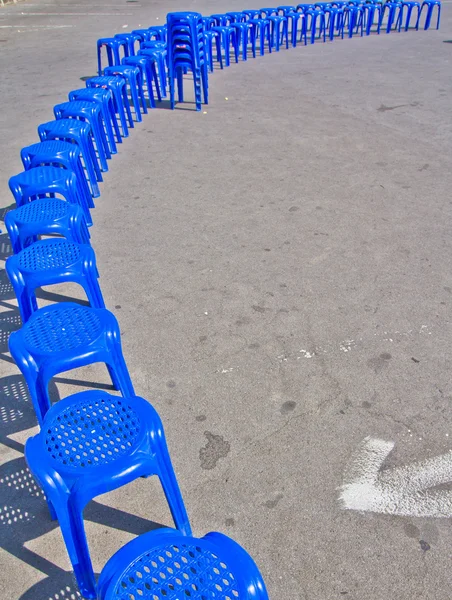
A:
[(280, 265)]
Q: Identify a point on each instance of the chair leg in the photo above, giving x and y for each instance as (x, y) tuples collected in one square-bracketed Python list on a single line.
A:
[(170, 486)]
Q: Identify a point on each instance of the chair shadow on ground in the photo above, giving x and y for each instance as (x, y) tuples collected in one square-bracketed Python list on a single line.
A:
[(24, 517)]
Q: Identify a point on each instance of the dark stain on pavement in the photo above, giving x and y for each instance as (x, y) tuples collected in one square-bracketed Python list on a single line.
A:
[(257, 308), (379, 362), (274, 502), (288, 407), (425, 546), (217, 447), (411, 531), (229, 522), (200, 418), (171, 384)]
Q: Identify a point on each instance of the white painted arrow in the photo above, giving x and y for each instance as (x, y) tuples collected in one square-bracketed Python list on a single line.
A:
[(403, 491)]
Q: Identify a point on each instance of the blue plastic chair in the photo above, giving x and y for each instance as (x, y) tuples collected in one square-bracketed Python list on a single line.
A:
[(65, 336), (210, 36), (113, 47), (157, 51), (262, 30), (74, 131), (132, 76), (158, 32), (244, 33), (49, 262), (143, 34), (146, 64), (92, 114), (58, 154), (164, 565), (430, 6), (297, 21), (91, 443), (36, 183), (46, 216), (131, 39), (117, 86), (104, 98), (279, 30), (228, 37), (410, 6)]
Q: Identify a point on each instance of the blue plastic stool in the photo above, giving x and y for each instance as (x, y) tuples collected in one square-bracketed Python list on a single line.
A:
[(65, 336), (36, 183), (394, 12), (369, 12), (235, 17), (132, 76), (46, 216), (104, 98), (244, 32), (251, 14), (165, 565), (228, 37), (143, 34), (113, 46), (92, 114), (221, 20), (279, 30), (295, 18), (62, 154), (430, 6), (49, 262), (410, 6), (146, 64), (268, 12), (285, 10), (158, 52), (158, 32), (316, 23), (117, 86), (261, 30), (209, 37), (131, 39), (72, 130), (91, 443)]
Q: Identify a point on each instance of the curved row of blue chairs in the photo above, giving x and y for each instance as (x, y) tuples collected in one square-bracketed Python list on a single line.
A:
[(163, 54), (93, 442)]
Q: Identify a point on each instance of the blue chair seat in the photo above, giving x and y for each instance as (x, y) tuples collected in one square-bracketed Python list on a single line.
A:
[(46, 216), (49, 262), (132, 76), (58, 153), (91, 443), (104, 97), (92, 114), (117, 86), (37, 182), (164, 565), (65, 336), (78, 132)]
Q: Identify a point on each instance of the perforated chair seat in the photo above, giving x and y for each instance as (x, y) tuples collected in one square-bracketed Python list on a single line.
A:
[(163, 565), (91, 443), (65, 336), (46, 216), (49, 262)]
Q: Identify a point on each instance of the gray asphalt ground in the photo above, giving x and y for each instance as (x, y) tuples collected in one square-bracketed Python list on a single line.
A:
[(280, 265)]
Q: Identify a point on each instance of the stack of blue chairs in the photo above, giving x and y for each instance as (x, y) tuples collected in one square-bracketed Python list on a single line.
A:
[(187, 52), (93, 442)]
